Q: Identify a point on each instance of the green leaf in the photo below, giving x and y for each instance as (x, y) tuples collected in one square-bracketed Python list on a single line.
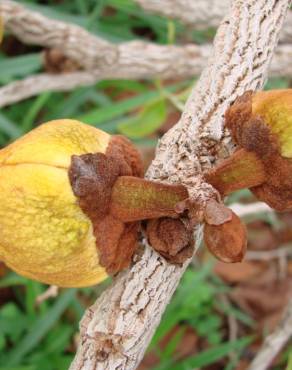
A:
[(146, 122), (29, 367), (172, 344), (40, 327), (9, 127), (19, 66), (34, 110), (289, 364), (211, 355), (12, 279), (99, 116), (13, 321), (207, 357)]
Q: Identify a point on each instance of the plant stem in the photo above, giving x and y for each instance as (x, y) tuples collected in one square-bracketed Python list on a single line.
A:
[(136, 199), (241, 170)]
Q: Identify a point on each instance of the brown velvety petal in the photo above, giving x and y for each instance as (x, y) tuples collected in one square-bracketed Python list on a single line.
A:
[(125, 153), (254, 135), (227, 242), (92, 177), (238, 115), (116, 243), (170, 238)]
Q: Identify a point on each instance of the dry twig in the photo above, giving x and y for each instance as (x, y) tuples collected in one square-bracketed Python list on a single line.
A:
[(51, 292), (250, 209), (282, 252), (201, 14), (274, 342), (116, 330), (101, 59), (135, 58), (189, 63)]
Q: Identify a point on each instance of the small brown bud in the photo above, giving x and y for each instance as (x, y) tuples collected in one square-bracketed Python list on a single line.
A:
[(171, 238), (227, 241)]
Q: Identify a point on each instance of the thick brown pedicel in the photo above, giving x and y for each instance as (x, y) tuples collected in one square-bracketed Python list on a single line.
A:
[(92, 177), (235, 172), (134, 199)]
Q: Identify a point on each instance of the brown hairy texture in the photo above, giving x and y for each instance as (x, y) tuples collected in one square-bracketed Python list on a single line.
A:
[(238, 115), (136, 199), (216, 213), (92, 177), (227, 242), (116, 242), (248, 130), (121, 149), (259, 165), (171, 238), (277, 190), (257, 137)]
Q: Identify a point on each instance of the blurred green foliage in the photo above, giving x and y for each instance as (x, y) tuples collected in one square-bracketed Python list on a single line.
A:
[(34, 337)]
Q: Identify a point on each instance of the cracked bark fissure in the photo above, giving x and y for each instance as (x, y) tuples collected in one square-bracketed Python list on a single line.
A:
[(116, 330)]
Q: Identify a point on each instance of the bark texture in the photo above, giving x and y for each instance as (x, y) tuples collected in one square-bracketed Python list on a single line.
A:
[(158, 64), (116, 330), (103, 60), (201, 14), (141, 59)]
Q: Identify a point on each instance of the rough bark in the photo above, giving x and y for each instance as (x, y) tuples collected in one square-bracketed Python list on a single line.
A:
[(201, 14), (143, 59), (116, 330), (159, 64)]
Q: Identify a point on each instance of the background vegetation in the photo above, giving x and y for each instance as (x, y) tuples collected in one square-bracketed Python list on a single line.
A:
[(219, 314)]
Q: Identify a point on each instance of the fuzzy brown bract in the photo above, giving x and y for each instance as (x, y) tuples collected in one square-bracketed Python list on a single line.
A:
[(261, 125)]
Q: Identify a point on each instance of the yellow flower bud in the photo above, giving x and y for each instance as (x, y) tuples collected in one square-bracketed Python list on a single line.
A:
[(261, 125), (44, 234), (70, 203)]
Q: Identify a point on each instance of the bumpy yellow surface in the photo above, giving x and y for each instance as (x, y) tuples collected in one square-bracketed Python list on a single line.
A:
[(276, 108), (44, 234)]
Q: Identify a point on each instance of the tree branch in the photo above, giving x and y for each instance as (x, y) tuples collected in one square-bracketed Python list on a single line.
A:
[(274, 342), (162, 62), (201, 14), (34, 85), (143, 59), (116, 330), (101, 59), (250, 209)]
